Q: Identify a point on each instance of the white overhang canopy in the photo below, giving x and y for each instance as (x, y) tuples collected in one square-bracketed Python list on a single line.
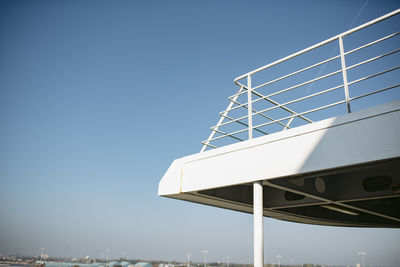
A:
[(342, 171), (317, 137)]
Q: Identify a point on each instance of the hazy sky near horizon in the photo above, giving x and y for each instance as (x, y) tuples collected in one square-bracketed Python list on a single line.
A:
[(98, 97)]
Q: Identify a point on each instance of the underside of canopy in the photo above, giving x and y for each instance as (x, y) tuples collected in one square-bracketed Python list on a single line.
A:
[(342, 171)]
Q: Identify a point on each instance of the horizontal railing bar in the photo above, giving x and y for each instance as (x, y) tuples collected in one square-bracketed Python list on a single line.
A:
[(229, 122), (296, 100), (259, 113), (228, 134), (330, 74), (296, 72), (375, 92), (304, 97), (238, 94), (206, 143), (244, 124), (222, 136), (244, 86), (299, 85), (235, 107), (322, 62), (220, 121), (323, 107), (281, 106), (372, 43), (372, 59), (313, 110), (238, 119), (373, 75), (393, 13), (289, 88), (287, 58), (302, 113), (233, 120)]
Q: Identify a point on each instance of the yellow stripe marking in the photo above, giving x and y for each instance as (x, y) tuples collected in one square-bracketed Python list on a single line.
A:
[(180, 189)]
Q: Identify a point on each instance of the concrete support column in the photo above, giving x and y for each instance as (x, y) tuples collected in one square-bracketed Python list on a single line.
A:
[(258, 224)]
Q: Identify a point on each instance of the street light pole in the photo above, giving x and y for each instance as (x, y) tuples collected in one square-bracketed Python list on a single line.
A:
[(41, 253), (279, 260), (108, 251), (205, 257), (362, 253), (188, 257)]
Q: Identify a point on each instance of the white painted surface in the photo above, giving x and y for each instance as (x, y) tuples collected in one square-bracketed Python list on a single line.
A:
[(258, 224), (360, 137)]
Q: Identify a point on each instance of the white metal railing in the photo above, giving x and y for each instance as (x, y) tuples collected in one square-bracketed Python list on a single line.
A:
[(279, 110)]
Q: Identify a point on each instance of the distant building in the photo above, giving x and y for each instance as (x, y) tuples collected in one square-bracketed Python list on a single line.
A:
[(143, 264), (126, 264), (114, 264)]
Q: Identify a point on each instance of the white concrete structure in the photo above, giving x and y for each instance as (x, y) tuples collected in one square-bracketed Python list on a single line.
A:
[(311, 162)]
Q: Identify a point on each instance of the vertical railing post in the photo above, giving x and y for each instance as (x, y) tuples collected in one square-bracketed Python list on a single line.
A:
[(249, 107), (344, 74), (258, 236)]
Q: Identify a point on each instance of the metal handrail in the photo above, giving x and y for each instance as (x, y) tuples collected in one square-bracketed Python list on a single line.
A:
[(254, 96), (315, 65), (384, 17), (372, 43), (297, 72), (306, 97)]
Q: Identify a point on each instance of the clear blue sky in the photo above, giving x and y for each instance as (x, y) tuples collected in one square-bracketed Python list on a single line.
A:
[(98, 97)]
